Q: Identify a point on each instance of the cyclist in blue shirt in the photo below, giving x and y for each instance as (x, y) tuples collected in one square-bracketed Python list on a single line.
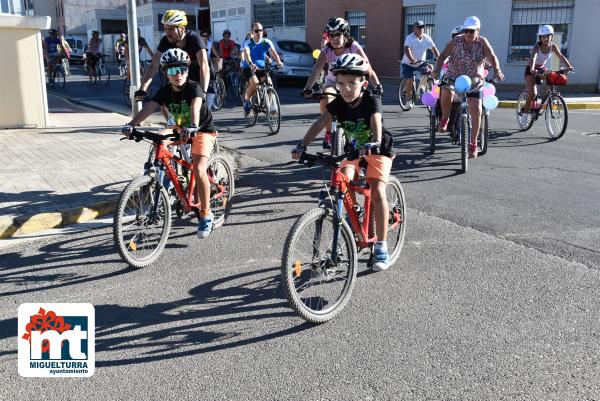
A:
[(53, 49), (255, 51)]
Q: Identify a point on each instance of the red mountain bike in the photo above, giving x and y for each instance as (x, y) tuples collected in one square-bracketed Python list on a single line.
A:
[(143, 217), (319, 263)]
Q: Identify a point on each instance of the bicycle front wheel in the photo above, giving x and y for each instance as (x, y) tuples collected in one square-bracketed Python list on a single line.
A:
[(526, 122), (126, 97), (105, 73), (222, 187), (556, 116), (338, 142), (403, 99), (318, 284), (464, 142), (219, 93), (484, 134), (433, 127), (142, 222), (397, 218), (273, 110)]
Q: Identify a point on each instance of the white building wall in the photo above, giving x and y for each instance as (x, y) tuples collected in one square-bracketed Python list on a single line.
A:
[(76, 11), (235, 15), (495, 17)]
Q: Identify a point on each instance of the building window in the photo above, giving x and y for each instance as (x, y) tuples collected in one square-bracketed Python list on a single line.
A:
[(191, 23), (280, 13), (528, 15), (414, 14), (358, 26)]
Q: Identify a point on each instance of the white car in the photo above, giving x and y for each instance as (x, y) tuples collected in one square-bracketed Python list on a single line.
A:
[(77, 49), (296, 56)]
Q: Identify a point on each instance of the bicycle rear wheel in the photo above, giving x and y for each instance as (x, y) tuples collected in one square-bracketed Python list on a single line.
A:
[(397, 218), (317, 285), (222, 190), (142, 222), (273, 110), (103, 74), (556, 116), (464, 142), (525, 123), (405, 102)]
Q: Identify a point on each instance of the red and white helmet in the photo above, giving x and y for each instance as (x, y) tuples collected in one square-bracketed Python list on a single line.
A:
[(545, 30)]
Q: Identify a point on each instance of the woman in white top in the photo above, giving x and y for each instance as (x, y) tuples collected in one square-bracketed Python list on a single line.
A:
[(541, 54), (339, 43)]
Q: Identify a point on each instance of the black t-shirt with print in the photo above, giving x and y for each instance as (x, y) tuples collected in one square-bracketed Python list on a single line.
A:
[(180, 105), (356, 122), (193, 43)]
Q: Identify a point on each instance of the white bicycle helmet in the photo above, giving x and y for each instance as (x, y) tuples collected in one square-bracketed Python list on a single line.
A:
[(174, 17), (545, 30), (174, 58), (337, 24), (457, 30), (350, 63)]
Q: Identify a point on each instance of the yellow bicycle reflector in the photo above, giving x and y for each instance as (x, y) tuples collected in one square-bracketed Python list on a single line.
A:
[(297, 268), (132, 245), (316, 53)]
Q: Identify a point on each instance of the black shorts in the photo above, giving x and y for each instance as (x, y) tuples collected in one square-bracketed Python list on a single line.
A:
[(91, 58), (248, 73), (538, 79)]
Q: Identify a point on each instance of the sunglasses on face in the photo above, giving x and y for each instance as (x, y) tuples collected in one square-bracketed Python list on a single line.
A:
[(420, 27), (177, 70), (469, 30), (258, 30), (545, 36), (204, 36), (335, 34)]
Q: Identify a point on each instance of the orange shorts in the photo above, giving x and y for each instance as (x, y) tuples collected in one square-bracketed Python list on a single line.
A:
[(379, 167), (203, 143)]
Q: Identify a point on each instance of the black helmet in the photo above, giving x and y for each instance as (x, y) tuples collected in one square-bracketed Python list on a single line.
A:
[(337, 24), (226, 32), (95, 33)]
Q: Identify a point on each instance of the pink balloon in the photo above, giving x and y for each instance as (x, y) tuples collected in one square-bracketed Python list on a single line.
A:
[(489, 90), (435, 91), (427, 99)]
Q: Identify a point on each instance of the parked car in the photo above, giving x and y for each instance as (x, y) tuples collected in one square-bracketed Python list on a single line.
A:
[(77, 49), (296, 56)]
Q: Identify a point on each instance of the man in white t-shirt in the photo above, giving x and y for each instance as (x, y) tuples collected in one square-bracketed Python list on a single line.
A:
[(415, 50)]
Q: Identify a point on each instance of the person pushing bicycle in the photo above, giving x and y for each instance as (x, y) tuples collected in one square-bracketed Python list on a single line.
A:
[(184, 100), (359, 114)]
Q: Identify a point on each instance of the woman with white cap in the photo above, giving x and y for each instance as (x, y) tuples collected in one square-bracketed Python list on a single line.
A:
[(468, 53), (541, 54)]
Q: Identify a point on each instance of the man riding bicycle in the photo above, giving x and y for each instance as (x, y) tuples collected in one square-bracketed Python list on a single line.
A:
[(415, 51), (184, 100), (120, 48), (227, 51), (256, 50), (359, 114), (176, 36), (93, 53), (53, 48)]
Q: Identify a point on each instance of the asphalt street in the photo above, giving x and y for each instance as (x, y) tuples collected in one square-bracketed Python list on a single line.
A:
[(495, 296)]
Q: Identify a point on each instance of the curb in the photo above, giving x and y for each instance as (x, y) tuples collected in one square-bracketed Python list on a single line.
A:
[(22, 225), (511, 104)]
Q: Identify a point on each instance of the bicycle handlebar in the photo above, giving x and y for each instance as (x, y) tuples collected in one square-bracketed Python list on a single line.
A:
[(137, 135), (322, 159)]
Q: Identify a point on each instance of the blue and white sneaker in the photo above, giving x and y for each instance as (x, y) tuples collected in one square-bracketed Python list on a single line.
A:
[(381, 258), (205, 225), (247, 106)]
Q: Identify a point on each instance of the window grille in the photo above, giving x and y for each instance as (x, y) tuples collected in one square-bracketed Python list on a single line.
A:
[(528, 15), (414, 14), (280, 13), (358, 26)]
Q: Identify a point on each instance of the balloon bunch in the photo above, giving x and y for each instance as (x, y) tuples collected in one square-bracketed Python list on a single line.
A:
[(490, 101), (430, 97)]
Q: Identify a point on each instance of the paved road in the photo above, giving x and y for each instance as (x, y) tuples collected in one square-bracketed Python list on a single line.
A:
[(496, 295)]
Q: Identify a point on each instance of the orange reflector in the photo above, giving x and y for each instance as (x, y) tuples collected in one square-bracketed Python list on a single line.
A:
[(297, 268), (132, 245)]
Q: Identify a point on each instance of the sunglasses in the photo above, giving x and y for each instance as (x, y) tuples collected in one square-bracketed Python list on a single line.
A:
[(545, 36), (177, 70), (469, 30), (335, 34), (204, 36), (258, 30)]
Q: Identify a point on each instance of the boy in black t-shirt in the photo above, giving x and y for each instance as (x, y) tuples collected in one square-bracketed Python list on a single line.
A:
[(184, 101), (360, 115)]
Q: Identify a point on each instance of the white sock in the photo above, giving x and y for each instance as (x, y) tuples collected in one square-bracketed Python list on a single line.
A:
[(381, 245)]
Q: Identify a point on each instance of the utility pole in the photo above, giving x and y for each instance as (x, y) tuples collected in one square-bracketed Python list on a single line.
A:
[(134, 55)]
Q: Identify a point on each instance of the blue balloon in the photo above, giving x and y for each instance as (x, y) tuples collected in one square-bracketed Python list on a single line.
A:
[(462, 84), (490, 102)]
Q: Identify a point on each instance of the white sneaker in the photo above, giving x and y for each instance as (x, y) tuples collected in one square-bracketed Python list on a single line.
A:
[(524, 119)]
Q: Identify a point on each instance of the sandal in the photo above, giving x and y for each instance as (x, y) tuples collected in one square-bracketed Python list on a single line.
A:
[(443, 125)]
